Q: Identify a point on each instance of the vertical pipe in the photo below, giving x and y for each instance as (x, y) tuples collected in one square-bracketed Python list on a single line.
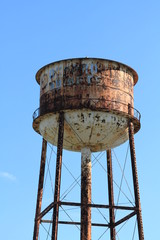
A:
[(111, 195), (135, 177), (40, 190), (58, 177), (85, 194)]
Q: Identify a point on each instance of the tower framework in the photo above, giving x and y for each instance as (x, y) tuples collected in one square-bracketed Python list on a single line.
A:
[(94, 96)]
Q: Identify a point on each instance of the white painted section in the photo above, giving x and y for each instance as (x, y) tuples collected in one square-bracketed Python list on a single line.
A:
[(86, 129), (85, 155)]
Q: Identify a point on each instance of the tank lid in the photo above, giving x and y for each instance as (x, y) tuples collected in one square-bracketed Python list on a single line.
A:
[(38, 74)]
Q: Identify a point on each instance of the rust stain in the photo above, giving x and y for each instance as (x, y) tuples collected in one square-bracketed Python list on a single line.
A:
[(86, 83), (85, 86), (85, 194)]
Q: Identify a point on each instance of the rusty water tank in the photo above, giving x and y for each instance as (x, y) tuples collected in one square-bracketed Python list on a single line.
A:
[(94, 95)]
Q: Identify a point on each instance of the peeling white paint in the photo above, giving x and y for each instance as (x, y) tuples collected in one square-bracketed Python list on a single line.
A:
[(85, 128)]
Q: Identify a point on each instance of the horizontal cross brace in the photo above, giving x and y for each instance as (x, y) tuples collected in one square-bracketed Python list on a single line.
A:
[(97, 206), (96, 224), (76, 223), (47, 209)]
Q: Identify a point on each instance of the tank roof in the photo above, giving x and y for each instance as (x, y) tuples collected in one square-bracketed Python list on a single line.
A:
[(135, 75)]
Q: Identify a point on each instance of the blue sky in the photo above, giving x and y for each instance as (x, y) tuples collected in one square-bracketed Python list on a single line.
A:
[(35, 33)]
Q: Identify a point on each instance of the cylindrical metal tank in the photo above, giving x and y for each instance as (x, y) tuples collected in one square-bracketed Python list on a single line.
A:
[(94, 95)]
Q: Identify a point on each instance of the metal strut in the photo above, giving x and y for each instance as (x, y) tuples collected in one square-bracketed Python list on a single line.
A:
[(111, 196), (58, 177), (40, 190), (135, 176), (85, 194)]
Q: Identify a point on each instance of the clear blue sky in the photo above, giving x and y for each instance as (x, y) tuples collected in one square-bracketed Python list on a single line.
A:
[(34, 33)]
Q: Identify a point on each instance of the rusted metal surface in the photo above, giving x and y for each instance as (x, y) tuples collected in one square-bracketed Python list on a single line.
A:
[(98, 130), (96, 224), (58, 177), (136, 114), (48, 208), (40, 190), (135, 178), (111, 195), (77, 223), (125, 218), (91, 126), (84, 104), (86, 90), (85, 79), (85, 194), (116, 65), (98, 205)]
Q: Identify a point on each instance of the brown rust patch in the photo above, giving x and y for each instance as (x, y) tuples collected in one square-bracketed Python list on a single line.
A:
[(85, 194)]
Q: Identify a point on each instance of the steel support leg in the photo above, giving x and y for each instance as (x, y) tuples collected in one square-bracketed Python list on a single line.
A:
[(111, 195), (40, 190), (85, 194), (135, 178), (58, 177)]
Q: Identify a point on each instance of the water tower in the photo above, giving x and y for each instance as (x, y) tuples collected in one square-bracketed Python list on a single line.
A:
[(86, 105)]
